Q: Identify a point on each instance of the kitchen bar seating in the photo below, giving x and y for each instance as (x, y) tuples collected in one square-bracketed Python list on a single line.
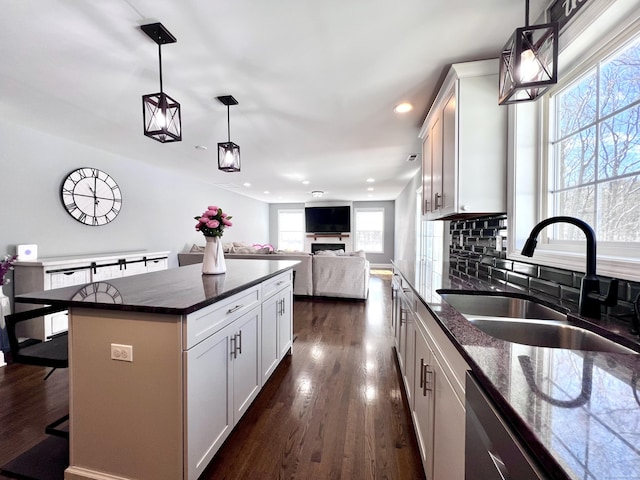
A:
[(51, 353)]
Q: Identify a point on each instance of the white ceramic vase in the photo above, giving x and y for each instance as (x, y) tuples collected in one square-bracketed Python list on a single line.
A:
[(213, 260)]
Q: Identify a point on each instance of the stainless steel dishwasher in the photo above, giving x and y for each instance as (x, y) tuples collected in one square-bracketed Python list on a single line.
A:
[(492, 451)]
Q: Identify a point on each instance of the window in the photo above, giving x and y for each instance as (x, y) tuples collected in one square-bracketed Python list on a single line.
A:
[(594, 170), (369, 230), (291, 229), (576, 151)]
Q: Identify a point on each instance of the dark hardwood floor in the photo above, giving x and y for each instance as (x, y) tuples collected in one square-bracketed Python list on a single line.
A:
[(332, 410)]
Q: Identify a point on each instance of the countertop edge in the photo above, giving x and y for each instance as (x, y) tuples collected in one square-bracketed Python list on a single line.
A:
[(41, 300)]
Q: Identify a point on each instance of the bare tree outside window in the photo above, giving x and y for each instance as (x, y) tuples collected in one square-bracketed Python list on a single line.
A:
[(596, 150)]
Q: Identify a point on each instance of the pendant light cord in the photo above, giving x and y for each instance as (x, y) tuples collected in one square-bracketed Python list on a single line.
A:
[(228, 126), (526, 13), (160, 62)]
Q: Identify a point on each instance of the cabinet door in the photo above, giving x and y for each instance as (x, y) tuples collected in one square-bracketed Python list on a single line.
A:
[(106, 272), (449, 428), (423, 409), (402, 336), (208, 399), (269, 336), (436, 164), (134, 268), (427, 205), (449, 156), (246, 357), (156, 264), (56, 323), (409, 356), (285, 322), (68, 279)]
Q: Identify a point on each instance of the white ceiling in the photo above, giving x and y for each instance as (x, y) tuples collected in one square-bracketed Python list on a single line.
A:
[(316, 82)]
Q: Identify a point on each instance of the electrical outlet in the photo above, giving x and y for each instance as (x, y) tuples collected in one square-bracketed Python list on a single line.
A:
[(123, 353)]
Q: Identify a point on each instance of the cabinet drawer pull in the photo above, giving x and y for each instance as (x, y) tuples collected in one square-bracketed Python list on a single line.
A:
[(240, 341), (428, 385), (233, 346), (437, 203), (237, 307), (279, 283), (421, 372)]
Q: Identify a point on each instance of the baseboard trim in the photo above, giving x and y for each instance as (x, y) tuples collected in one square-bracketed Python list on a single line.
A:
[(381, 266), (79, 473)]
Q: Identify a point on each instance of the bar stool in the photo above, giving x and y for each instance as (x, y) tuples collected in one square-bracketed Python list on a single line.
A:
[(53, 353)]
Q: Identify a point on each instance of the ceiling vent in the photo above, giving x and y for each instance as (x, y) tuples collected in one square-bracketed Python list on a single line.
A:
[(412, 158)]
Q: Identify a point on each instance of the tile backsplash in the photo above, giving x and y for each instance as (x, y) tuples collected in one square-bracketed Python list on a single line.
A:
[(478, 249)]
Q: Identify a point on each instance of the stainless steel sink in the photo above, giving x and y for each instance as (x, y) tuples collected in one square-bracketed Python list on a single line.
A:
[(501, 306), (520, 320), (546, 333)]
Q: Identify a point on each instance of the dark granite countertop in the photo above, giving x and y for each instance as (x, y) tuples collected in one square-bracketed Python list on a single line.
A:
[(577, 411), (177, 291)]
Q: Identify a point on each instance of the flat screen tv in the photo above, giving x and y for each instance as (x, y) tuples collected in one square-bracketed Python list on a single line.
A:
[(327, 219)]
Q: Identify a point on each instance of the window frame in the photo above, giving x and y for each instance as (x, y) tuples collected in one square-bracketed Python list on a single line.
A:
[(380, 210), (302, 226), (529, 155)]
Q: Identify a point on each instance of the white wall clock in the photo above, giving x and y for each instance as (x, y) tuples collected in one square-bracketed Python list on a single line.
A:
[(91, 196)]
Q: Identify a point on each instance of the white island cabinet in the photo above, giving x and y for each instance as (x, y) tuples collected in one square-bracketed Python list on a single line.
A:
[(196, 360)]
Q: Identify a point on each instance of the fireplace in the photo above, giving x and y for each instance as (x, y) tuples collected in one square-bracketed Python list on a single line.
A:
[(326, 246)]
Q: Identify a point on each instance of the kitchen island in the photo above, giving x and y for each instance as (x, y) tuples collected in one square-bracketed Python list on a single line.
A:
[(163, 365), (576, 413)]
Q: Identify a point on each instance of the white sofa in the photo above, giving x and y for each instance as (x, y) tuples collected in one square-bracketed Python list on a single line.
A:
[(302, 284), (340, 276), (330, 275)]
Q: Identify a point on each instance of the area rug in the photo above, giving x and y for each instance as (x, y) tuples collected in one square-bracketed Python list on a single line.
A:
[(46, 461)]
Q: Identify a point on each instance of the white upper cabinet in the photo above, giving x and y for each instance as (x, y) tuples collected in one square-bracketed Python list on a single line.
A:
[(464, 145)]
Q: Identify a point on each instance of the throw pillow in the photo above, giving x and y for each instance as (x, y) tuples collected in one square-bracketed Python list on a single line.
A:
[(358, 253), (197, 248), (266, 248), (326, 253)]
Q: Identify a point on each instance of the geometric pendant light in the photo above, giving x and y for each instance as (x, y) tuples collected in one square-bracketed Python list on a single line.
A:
[(228, 152), (529, 62), (161, 113)]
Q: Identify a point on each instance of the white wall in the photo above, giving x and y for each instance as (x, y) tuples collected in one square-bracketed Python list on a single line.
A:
[(157, 209), (405, 239)]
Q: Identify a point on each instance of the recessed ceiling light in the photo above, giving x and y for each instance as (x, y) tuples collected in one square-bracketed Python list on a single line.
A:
[(370, 180), (403, 108), (370, 189), (266, 192), (246, 184), (317, 193), (305, 182)]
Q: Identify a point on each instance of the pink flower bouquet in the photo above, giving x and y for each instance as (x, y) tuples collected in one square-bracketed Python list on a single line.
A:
[(213, 222)]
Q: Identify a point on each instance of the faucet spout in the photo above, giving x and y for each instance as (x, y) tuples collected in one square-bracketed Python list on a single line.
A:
[(531, 242), (590, 298)]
